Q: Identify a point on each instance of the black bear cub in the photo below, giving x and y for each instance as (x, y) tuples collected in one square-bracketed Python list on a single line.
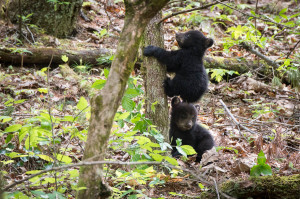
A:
[(191, 80), (183, 125)]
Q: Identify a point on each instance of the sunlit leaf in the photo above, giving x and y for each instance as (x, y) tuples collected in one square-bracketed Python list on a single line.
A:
[(64, 58), (99, 84), (64, 158), (189, 150), (13, 128), (45, 157), (82, 104)]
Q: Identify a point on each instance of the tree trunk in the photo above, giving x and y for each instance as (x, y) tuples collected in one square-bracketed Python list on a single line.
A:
[(154, 74), (57, 19), (104, 105)]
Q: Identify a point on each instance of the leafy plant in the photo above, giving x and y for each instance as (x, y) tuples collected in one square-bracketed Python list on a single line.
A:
[(261, 168), (218, 74), (102, 33), (105, 60)]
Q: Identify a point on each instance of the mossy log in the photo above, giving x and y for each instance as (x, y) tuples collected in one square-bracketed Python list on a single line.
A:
[(43, 56), (275, 187)]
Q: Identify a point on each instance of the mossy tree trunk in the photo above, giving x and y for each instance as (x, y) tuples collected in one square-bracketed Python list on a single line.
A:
[(57, 19), (104, 104), (154, 74)]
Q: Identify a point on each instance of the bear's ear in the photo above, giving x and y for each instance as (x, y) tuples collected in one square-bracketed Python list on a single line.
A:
[(209, 42), (175, 101)]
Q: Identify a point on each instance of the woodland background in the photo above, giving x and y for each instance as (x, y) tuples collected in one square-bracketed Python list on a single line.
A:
[(50, 73)]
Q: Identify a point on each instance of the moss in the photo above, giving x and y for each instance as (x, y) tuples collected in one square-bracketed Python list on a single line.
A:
[(264, 187)]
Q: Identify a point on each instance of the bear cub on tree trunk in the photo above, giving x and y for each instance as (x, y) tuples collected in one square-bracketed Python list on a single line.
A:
[(183, 125), (191, 80)]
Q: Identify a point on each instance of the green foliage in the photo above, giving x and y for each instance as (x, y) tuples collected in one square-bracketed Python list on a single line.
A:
[(102, 33), (105, 60), (218, 74), (260, 108), (218, 148), (261, 168)]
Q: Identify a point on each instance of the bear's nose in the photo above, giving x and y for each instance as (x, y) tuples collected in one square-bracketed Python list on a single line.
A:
[(188, 125)]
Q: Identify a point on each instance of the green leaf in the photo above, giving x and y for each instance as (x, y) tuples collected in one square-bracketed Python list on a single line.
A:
[(189, 150), (201, 186), (157, 157), (122, 116), (64, 158), (181, 151), (131, 93), (82, 104), (153, 106), (13, 128), (261, 159), (43, 90), (128, 104), (5, 119), (19, 101), (99, 84), (106, 71), (283, 11), (45, 157), (45, 124), (64, 58), (68, 118), (172, 161), (261, 169), (178, 142)]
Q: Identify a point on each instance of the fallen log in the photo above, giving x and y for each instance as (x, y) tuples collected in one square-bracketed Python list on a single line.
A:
[(264, 187), (43, 55)]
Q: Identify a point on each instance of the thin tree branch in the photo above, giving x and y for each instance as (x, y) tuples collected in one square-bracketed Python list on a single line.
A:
[(233, 118), (216, 186), (249, 15), (292, 50), (189, 10), (250, 49)]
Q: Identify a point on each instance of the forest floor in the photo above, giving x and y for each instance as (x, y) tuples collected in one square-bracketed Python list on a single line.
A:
[(270, 114)]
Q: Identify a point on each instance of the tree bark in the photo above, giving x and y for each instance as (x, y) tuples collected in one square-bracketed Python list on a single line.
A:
[(104, 104), (154, 74), (57, 19)]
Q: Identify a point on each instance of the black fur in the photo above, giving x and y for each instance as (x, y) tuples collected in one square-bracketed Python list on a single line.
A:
[(191, 80), (183, 125)]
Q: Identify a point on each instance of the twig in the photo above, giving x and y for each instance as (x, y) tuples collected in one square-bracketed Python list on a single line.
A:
[(249, 15), (49, 112), (189, 10), (216, 186), (250, 49), (233, 118), (292, 50), (32, 37)]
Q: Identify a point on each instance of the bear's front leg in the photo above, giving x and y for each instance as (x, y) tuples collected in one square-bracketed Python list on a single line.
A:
[(149, 50)]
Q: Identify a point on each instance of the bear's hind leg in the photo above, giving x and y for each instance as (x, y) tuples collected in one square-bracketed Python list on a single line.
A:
[(168, 87)]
